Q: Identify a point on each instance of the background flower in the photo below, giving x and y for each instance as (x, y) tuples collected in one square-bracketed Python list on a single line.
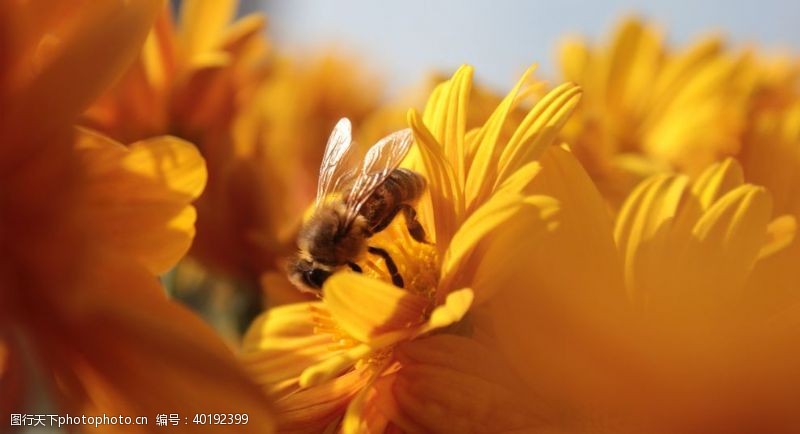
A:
[(87, 225)]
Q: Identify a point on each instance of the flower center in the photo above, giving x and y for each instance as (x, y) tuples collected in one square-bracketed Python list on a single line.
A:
[(417, 263)]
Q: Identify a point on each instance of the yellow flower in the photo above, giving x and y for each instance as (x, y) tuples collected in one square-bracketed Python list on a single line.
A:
[(192, 79), (655, 323), (770, 157), (88, 224), (649, 109), (259, 119), (368, 354)]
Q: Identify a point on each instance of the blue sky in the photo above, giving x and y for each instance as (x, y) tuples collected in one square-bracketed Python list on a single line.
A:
[(404, 39)]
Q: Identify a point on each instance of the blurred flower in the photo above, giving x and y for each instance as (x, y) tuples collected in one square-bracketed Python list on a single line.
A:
[(88, 224), (770, 157), (259, 118), (364, 357), (649, 109), (654, 324), (192, 79)]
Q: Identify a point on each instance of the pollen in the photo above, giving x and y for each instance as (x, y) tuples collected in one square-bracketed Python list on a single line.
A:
[(324, 324), (417, 263)]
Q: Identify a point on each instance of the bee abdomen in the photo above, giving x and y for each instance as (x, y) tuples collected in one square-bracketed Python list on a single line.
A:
[(405, 185)]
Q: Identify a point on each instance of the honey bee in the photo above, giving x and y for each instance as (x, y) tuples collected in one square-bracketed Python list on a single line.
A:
[(356, 198)]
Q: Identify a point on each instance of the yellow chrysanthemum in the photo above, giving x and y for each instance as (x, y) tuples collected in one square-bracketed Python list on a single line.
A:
[(654, 324), (770, 157), (649, 109), (192, 79), (371, 357), (258, 118), (86, 226)]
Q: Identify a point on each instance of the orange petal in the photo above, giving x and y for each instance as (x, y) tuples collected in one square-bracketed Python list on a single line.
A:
[(365, 307), (202, 24), (455, 307), (282, 343), (538, 130), (138, 197), (116, 345), (450, 383), (102, 41), (450, 118), (482, 174), (446, 194), (484, 224), (313, 409)]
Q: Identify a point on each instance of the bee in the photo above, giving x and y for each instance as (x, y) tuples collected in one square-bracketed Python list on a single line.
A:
[(356, 198)]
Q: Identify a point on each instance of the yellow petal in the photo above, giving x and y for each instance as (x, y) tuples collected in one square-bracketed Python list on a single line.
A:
[(446, 118), (313, 409), (632, 63), (138, 198), (481, 173), (538, 130), (573, 56), (116, 329), (730, 236), (365, 307), (363, 415), (334, 365), (504, 252), (446, 195), (583, 233), (781, 232), (644, 228), (449, 383), (104, 39), (455, 306), (282, 343), (717, 180), (489, 218), (202, 23)]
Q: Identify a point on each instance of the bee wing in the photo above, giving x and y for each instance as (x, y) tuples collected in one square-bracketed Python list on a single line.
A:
[(381, 159), (339, 164)]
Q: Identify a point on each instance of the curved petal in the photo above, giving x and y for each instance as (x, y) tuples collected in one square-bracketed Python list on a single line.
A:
[(283, 342), (445, 194), (202, 24), (484, 164), (107, 339), (365, 307), (538, 130), (89, 52), (583, 233), (646, 232), (313, 409), (561, 317), (729, 238), (455, 307), (449, 383), (487, 220), (138, 198), (446, 117)]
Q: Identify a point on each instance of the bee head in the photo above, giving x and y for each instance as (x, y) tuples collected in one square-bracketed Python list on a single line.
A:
[(307, 275), (328, 239)]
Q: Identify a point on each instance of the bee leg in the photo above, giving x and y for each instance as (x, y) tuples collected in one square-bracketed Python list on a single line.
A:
[(397, 279), (355, 267), (414, 226)]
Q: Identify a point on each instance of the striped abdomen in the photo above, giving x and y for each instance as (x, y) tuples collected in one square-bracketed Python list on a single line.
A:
[(403, 186)]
